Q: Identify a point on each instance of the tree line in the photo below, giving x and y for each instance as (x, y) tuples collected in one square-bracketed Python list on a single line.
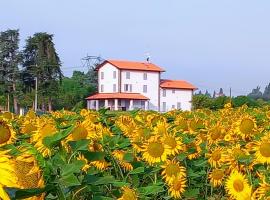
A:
[(38, 62), (217, 101)]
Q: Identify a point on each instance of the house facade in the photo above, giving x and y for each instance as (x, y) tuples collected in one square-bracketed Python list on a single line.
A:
[(126, 85)]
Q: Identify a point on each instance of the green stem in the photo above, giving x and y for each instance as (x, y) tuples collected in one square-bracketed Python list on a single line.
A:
[(60, 193)]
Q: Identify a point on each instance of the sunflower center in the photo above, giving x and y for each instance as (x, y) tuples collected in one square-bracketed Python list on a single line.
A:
[(47, 130), (170, 141), (217, 174), (216, 155), (155, 149), (246, 126), (215, 134), (238, 185), (172, 169), (5, 133), (265, 149), (79, 133), (177, 185), (238, 153)]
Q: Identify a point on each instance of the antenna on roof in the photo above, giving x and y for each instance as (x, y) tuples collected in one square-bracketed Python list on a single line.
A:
[(148, 57)]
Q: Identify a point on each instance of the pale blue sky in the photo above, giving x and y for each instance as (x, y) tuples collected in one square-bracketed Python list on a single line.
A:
[(210, 43)]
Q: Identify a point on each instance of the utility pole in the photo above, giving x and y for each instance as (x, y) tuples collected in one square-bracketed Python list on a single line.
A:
[(36, 93), (230, 93)]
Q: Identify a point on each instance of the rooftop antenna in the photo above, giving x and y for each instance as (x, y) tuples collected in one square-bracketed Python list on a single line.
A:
[(148, 57)]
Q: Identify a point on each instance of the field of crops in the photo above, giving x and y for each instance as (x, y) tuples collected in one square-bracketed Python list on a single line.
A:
[(203, 154)]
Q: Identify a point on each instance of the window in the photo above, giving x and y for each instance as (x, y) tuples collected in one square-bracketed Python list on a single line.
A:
[(164, 93), (114, 87), (164, 106), (114, 74), (127, 87), (144, 76), (101, 88), (178, 105), (144, 88), (127, 75), (102, 75), (173, 91), (173, 106)]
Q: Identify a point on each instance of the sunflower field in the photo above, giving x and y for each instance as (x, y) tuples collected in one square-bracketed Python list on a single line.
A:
[(202, 154)]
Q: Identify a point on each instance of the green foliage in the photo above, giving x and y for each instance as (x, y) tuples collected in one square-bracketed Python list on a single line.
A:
[(244, 100), (73, 91), (201, 101)]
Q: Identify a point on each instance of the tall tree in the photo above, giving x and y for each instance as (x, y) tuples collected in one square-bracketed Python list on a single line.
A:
[(256, 93), (10, 58), (214, 94), (42, 62), (207, 94), (266, 93), (221, 93)]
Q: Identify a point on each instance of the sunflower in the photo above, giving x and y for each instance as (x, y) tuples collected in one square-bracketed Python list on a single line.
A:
[(86, 165), (195, 125), (7, 134), (119, 155), (161, 128), (263, 191), (155, 151), (262, 150), (181, 123), (174, 143), (193, 149), (7, 116), (237, 186), (216, 157), (246, 127), (177, 187), (127, 125), (79, 132), (233, 155), (216, 177), (45, 128), (128, 194), (172, 169), (28, 173), (215, 134), (100, 164), (28, 127), (7, 174)]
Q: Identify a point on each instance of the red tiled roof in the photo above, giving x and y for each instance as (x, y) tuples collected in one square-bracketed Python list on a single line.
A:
[(176, 84), (136, 96), (131, 65)]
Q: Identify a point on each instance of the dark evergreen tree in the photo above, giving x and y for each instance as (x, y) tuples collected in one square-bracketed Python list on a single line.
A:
[(207, 94), (256, 93), (214, 94), (10, 58), (266, 93), (42, 62)]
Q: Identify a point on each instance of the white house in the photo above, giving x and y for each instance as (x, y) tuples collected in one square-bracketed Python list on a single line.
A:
[(127, 85)]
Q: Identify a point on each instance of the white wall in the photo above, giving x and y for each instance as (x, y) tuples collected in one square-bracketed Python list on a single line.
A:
[(137, 81), (180, 95), (108, 80)]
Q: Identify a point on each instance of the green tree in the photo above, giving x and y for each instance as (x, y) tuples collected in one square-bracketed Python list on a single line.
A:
[(256, 93), (266, 93), (244, 100), (74, 90), (42, 62), (10, 58), (219, 102), (201, 101)]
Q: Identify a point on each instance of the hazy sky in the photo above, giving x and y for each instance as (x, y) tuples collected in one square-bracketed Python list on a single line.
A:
[(212, 44)]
